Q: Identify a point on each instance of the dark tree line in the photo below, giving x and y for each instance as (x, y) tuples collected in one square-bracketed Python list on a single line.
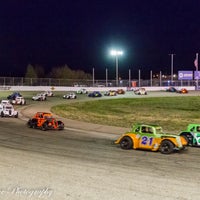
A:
[(63, 72)]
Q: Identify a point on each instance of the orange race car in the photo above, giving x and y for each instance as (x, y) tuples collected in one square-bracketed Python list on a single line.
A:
[(151, 137), (120, 91), (45, 121)]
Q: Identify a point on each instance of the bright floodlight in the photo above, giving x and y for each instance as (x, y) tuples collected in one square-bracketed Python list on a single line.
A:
[(116, 53)]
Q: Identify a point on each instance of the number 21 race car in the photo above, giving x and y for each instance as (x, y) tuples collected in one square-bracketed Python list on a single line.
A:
[(151, 137)]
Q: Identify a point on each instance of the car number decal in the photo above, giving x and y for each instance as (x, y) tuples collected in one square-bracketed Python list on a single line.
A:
[(146, 140)]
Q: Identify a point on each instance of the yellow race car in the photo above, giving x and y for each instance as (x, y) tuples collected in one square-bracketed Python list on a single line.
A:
[(151, 137)]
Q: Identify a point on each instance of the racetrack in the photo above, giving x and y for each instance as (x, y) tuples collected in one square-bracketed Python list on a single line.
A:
[(80, 163)]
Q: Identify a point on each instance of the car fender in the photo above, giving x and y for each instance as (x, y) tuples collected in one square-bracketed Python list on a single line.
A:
[(134, 138)]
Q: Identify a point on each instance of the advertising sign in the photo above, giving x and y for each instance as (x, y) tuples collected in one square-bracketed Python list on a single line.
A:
[(196, 75), (185, 75)]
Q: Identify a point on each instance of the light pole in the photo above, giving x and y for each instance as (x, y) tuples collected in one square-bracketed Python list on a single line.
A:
[(172, 66), (116, 53)]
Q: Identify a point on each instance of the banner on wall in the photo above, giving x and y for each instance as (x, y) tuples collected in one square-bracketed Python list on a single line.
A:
[(185, 75)]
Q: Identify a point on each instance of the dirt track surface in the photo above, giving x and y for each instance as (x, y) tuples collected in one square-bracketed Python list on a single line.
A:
[(80, 163)]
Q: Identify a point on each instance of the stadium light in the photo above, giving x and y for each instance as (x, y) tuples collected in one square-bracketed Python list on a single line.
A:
[(116, 53)]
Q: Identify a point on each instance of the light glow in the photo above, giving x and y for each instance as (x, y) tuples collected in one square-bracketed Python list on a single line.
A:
[(116, 52)]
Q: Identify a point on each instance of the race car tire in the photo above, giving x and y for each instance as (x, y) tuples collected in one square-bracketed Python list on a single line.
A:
[(16, 116), (44, 126), (126, 143), (29, 124), (2, 114), (189, 138), (166, 147)]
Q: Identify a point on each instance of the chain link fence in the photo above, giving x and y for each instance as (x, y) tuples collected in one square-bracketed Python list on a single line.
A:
[(20, 81)]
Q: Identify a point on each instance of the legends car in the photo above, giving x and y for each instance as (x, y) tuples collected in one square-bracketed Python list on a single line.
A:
[(45, 121), (110, 93), (82, 91), (151, 137), (120, 91), (3, 102), (171, 89), (14, 95), (140, 91), (95, 94), (182, 91), (39, 97), (71, 95), (7, 110), (48, 93), (192, 133), (18, 101)]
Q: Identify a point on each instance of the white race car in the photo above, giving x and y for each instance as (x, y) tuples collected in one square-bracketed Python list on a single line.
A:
[(7, 110), (3, 102), (39, 97), (82, 91), (18, 101), (48, 93), (140, 91), (70, 96)]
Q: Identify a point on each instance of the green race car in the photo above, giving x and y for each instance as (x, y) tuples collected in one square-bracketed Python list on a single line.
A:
[(192, 134)]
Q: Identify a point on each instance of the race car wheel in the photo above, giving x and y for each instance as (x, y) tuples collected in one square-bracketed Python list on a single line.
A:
[(126, 143), (2, 115), (44, 126), (188, 137), (16, 116), (166, 147)]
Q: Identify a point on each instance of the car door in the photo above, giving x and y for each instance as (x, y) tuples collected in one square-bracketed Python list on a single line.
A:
[(147, 138)]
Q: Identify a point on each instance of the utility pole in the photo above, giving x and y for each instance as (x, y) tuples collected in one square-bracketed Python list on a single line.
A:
[(172, 66)]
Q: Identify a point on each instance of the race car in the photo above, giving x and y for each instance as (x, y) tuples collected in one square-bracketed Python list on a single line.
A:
[(45, 121), (140, 91), (182, 91), (3, 102), (82, 91), (48, 93), (171, 89), (39, 97), (95, 94), (14, 95), (70, 96), (7, 110), (151, 137), (120, 91), (18, 101), (192, 133), (110, 93)]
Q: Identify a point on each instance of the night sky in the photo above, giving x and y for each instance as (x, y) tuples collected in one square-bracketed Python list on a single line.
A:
[(80, 34)]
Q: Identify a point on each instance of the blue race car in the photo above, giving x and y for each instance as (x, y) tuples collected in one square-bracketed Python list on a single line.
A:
[(95, 94)]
